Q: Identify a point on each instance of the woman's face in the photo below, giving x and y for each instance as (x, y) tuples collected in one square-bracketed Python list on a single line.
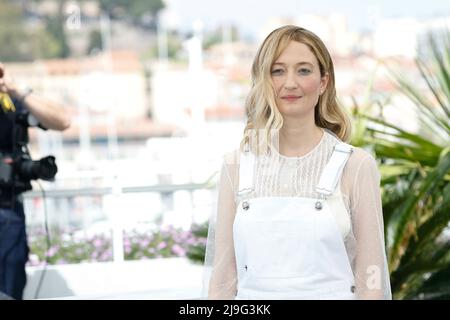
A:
[(297, 81)]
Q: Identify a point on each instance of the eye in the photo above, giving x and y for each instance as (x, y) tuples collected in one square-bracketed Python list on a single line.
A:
[(304, 71), (276, 72)]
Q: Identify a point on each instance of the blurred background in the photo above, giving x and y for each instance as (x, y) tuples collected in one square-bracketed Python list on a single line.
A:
[(156, 91)]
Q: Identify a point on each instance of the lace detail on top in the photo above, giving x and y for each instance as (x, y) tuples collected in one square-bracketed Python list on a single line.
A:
[(280, 176)]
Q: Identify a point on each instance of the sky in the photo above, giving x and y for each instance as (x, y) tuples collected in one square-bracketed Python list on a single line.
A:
[(250, 15)]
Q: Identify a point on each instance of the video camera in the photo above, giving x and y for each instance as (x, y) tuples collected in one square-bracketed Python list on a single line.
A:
[(17, 169)]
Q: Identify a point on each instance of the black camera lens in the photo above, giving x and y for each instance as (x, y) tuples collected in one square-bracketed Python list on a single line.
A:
[(44, 169)]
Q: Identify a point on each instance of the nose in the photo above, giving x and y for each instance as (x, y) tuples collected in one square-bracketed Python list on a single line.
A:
[(290, 83)]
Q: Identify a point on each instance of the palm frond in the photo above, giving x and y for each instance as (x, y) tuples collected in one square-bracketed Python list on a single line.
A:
[(401, 217)]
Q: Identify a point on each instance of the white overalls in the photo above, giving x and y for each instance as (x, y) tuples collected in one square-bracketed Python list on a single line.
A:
[(293, 247)]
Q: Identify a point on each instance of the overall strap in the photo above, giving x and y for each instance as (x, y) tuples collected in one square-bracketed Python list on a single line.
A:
[(246, 172), (332, 172)]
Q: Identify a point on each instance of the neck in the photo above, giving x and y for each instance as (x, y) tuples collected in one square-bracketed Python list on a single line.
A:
[(298, 138)]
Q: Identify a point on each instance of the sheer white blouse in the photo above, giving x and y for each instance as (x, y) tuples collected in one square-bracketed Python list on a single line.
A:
[(297, 177)]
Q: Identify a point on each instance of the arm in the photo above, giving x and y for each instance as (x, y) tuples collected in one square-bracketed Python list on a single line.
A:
[(223, 281), (50, 114), (371, 271)]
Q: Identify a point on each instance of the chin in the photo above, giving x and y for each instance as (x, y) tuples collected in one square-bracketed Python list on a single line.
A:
[(294, 111)]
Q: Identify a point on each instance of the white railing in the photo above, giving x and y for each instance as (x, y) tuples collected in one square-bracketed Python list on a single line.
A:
[(116, 219), (119, 279)]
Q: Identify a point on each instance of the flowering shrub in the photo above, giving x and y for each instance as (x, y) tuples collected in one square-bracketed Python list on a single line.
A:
[(166, 242), (197, 249), (66, 247), (71, 247)]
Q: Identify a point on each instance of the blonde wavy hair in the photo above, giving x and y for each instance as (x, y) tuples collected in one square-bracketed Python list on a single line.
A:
[(263, 117)]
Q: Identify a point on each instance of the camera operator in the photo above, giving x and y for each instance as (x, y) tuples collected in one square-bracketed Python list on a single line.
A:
[(13, 240)]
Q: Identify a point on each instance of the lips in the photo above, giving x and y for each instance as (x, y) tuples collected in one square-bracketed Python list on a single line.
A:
[(290, 98)]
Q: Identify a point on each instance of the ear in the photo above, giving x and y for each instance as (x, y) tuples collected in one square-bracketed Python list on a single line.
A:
[(324, 82)]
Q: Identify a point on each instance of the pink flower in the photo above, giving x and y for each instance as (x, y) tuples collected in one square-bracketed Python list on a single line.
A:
[(178, 250), (98, 242), (52, 251), (161, 245)]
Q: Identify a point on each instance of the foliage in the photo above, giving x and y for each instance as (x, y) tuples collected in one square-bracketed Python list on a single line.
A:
[(95, 42), (167, 242), (12, 33), (55, 28), (174, 46), (22, 40), (27, 35), (415, 180), (196, 250), (216, 36), (134, 10), (68, 247), (76, 247)]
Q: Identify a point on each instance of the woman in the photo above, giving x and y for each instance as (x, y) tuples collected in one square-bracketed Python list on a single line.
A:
[(299, 211)]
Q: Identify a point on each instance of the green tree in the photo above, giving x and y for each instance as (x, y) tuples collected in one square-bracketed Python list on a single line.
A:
[(55, 27), (216, 36), (44, 46), (13, 37), (135, 10), (95, 41), (21, 43), (174, 46)]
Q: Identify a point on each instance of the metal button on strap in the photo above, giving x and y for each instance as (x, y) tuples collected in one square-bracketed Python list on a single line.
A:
[(245, 205), (245, 267), (318, 205), (352, 289)]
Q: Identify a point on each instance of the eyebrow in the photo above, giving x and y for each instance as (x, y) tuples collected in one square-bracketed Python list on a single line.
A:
[(297, 64)]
